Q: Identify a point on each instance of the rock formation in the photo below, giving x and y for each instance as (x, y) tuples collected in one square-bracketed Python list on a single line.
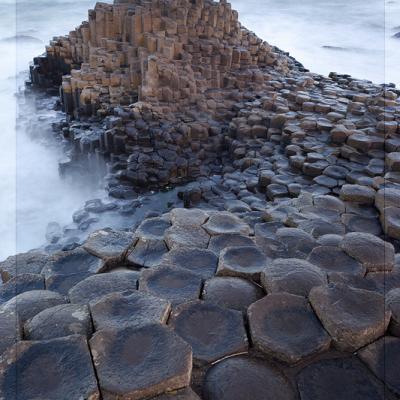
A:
[(280, 279)]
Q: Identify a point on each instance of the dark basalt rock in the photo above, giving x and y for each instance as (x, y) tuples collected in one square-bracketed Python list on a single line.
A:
[(212, 331), (296, 243), (221, 242), (26, 305), (285, 327), (184, 394), (293, 276), (65, 269), (371, 251), (334, 259), (147, 253), (226, 223), (186, 236), (174, 284), (152, 229), (10, 329), (26, 263), (96, 286), (243, 261), (138, 363), (20, 284), (184, 216), (353, 317), (59, 321), (109, 245), (244, 378), (201, 262), (52, 370), (344, 379), (393, 304), (230, 292), (118, 310), (383, 359)]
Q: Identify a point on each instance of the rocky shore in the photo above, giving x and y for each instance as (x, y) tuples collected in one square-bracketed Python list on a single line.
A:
[(270, 269)]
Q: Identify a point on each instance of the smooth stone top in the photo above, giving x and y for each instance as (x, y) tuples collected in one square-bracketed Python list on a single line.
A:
[(137, 363), (244, 378), (52, 370), (212, 331), (226, 223), (285, 327)]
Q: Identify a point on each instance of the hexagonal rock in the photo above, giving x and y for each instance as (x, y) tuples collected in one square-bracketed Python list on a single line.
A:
[(230, 292), (339, 378), (285, 327), (174, 284), (20, 284), (118, 310), (357, 223), (244, 378), (147, 253), (59, 321), (353, 317), (26, 263), (192, 236), (221, 242), (292, 275), (393, 304), (52, 370), (296, 242), (153, 228), (390, 220), (183, 394), (387, 197), (108, 244), (357, 194), (184, 216), (28, 304), (334, 259), (96, 286), (226, 223), (66, 268), (383, 359), (137, 363), (212, 331), (10, 329), (245, 261), (199, 261), (371, 251)]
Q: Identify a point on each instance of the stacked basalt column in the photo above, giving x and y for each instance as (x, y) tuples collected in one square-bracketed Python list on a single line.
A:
[(164, 52)]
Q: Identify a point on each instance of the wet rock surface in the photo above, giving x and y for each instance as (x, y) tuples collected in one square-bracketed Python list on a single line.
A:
[(292, 210)]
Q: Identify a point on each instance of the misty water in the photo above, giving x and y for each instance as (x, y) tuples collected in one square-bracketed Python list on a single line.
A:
[(352, 36)]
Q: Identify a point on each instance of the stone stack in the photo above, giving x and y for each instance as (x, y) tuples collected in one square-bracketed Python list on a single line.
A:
[(166, 52)]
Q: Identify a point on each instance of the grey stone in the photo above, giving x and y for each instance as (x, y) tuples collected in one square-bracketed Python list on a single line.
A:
[(221, 242), (153, 228), (96, 286), (230, 292), (393, 304), (285, 327), (243, 261), (357, 194), (244, 378), (212, 331), (137, 363), (353, 317), (20, 284), (199, 261), (119, 310), (26, 305), (59, 321), (174, 284), (147, 253), (10, 329), (293, 276), (186, 236), (340, 378), (334, 259), (226, 223), (52, 370), (371, 251)]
